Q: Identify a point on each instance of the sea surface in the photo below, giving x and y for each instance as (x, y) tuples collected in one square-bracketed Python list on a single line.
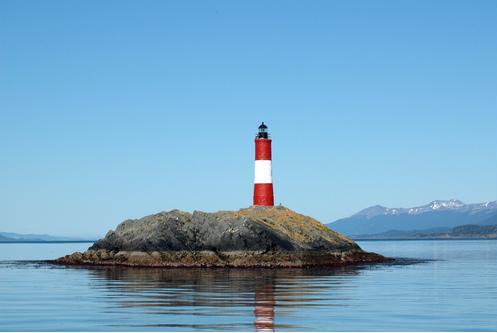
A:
[(453, 288)]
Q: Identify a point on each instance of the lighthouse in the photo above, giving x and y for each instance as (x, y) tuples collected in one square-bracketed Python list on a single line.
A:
[(263, 180)]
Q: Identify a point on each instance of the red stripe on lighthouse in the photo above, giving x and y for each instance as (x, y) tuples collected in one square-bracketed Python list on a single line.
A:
[(263, 182), (263, 195), (263, 149)]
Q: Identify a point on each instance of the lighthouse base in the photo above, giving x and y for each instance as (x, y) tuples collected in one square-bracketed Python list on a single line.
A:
[(263, 195)]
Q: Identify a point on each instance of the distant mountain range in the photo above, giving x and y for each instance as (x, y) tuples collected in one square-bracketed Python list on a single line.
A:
[(460, 232), (437, 219), (14, 237), (439, 216)]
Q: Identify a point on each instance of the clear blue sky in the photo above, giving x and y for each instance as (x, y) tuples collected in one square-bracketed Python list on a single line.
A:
[(115, 109)]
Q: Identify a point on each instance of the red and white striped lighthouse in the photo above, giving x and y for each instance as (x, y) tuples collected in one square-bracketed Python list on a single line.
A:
[(263, 180)]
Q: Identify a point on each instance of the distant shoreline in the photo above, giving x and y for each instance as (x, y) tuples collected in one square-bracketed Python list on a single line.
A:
[(42, 242), (420, 239), (355, 239)]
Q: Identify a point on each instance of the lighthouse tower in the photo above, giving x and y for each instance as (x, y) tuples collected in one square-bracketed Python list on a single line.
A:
[(263, 180)]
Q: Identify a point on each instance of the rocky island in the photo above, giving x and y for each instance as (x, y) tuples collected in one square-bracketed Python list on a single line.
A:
[(250, 237)]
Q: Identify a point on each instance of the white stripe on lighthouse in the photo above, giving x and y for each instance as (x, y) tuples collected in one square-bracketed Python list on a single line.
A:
[(263, 172)]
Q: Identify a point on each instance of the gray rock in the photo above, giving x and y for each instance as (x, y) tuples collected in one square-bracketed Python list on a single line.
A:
[(251, 237), (251, 229)]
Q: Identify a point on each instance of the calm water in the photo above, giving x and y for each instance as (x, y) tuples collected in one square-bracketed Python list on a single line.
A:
[(456, 291)]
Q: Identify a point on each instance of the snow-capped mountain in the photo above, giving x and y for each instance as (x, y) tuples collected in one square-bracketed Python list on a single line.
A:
[(452, 204), (437, 214)]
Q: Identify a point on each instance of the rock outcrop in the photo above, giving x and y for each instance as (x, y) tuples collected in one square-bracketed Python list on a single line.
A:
[(251, 237)]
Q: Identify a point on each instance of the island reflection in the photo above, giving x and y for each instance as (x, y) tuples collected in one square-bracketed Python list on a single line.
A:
[(216, 299)]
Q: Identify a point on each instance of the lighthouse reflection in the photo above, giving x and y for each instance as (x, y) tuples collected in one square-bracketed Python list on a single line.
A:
[(213, 299), (264, 309)]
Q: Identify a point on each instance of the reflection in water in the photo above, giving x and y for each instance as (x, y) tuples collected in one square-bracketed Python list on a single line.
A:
[(216, 299), (264, 309), (455, 290)]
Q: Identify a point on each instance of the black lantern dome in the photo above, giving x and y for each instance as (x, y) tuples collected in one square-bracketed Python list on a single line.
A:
[(263, 134)]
